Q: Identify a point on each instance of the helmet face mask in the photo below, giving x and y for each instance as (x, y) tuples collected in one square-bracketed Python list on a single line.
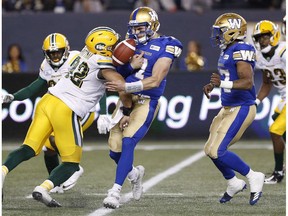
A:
[(261, 31), (56, 49), (102, 41), (217, 37), (228, 28), (283, 26), (55, 56), (143, 16)]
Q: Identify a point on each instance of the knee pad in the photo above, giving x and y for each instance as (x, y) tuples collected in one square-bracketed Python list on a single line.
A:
[(115, 156)]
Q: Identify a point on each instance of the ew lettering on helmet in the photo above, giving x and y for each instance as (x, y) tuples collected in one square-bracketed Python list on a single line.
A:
[(234, 23), (175, 118)]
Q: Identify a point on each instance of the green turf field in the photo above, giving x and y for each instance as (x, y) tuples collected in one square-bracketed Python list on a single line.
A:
[(171, 188)]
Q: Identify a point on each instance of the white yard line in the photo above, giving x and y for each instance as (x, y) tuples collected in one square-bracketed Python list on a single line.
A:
[(125, 198), (246, 145), (153, 181)]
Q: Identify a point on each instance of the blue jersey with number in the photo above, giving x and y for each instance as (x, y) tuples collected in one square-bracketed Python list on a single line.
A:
[(154, 49), (227, 68)]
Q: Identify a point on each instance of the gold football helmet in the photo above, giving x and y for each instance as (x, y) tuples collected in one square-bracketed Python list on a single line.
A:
[(56, 49), (227, 28), (102, 40), (143, 16), (266, 27)]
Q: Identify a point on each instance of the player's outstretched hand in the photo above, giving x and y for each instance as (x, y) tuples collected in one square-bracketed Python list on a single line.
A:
[(207, 89), (8, 98), (115, 85), (103, 124)]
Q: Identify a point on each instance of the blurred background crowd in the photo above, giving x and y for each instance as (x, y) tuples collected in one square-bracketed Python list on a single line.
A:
[(18, 56), (97, 6)]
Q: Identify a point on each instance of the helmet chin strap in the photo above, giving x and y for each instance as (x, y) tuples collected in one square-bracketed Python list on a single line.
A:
[(266, 49)]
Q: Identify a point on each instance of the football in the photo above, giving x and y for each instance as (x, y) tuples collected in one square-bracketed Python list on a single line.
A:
[(123, 52)]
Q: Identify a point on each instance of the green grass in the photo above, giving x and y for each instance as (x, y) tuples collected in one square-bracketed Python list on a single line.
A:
[(195, 190)]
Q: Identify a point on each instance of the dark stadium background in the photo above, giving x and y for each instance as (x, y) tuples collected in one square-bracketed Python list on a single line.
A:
[(29, 30)]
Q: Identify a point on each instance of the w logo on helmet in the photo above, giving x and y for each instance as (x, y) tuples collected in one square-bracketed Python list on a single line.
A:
[(235, 23)]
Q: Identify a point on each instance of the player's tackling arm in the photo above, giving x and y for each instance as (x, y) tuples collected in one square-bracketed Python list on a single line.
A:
[(111, 75)]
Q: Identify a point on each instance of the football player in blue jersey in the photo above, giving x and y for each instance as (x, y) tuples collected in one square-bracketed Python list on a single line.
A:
[(146, 80), (235, 78)]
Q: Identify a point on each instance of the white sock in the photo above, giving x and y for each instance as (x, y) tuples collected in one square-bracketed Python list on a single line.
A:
[(116, 187), (250, 174), (232, 180)]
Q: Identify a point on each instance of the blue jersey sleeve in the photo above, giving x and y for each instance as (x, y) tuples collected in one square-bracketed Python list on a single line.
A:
[(244, 52), (173, 48)]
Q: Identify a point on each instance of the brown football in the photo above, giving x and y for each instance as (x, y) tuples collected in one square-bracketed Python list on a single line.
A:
[(123, 52)]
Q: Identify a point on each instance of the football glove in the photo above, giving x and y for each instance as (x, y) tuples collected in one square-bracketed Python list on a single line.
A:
[(103, 123), (118, 116), (8, 98)]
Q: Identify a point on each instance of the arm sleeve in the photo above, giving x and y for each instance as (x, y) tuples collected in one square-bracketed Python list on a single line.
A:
[(28, 91), (102, 102), (125, 70)]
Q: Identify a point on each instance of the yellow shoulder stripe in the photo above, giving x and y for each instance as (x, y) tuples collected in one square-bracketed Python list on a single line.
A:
[(282, 51), (72, 59)]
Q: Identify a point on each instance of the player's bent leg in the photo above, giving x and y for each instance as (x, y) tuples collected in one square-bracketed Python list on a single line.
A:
[(51, 159), (62, 173), (17, 156)]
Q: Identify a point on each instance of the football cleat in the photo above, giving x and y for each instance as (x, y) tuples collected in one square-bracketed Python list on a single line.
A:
[(71, 182), (256, 184), (137, 188), (275, 178), (112, 200), (41, 194), (57, 189), (232, 190)]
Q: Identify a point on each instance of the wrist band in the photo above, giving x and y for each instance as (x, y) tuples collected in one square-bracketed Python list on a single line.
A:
[(134, 87), (257, 101), (226, 84), (126, 111)]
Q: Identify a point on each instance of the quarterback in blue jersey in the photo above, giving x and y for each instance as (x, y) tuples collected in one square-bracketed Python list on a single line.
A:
[(146, 80), (235, 78)]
